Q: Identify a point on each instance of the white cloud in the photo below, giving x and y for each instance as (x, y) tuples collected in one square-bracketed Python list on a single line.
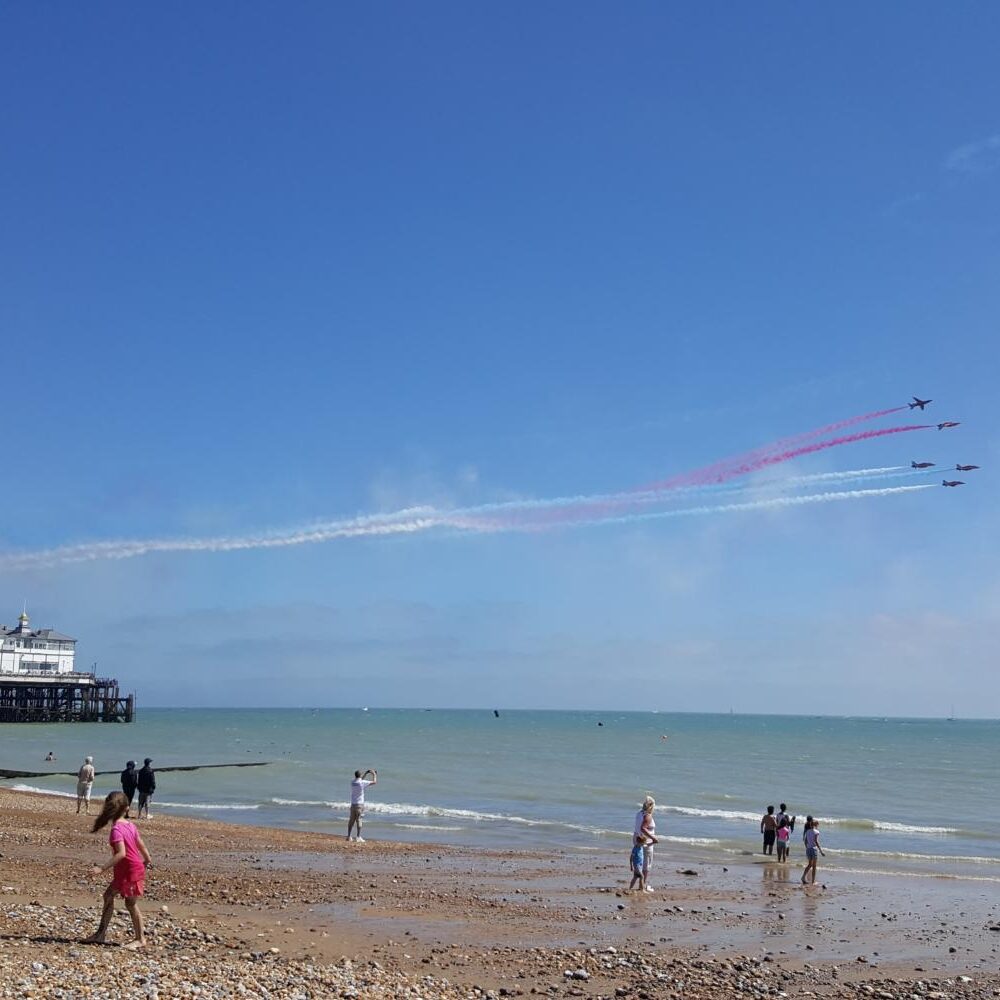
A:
[(975, 157)]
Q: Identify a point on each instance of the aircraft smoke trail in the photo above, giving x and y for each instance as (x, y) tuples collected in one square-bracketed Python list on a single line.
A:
[(708, 475), (471, 520), (401, 522), (773, 503), (785, 444), (573, 508), (711, 476)]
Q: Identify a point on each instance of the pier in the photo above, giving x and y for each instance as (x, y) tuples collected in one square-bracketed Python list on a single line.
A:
[(64, 697)]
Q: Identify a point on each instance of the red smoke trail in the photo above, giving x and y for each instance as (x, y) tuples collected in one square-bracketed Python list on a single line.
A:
[(782, 445), (754, 462), (710, 475)]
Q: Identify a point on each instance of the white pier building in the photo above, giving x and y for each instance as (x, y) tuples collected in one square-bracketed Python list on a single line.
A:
[(43, 651)]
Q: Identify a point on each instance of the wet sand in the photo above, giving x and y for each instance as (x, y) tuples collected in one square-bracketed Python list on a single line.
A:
[(249, 911)]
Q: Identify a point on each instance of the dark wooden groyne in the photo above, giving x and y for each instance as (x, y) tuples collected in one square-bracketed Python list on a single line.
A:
[(6, 772), (71, 697)]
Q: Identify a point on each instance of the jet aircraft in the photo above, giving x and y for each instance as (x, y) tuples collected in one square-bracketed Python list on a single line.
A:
[(952, 482), (948, 423), (921, 465), (919, 403), (965, 468)]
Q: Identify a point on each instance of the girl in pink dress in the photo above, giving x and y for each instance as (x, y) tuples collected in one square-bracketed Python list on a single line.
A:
[(129, 859)]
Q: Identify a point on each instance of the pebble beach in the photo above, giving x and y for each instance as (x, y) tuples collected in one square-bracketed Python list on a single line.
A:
[(237, 911)]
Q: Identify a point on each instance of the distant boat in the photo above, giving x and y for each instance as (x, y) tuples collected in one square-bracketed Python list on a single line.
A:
[(365, 709)]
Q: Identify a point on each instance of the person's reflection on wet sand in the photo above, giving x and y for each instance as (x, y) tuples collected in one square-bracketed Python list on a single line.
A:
[(774, 872)]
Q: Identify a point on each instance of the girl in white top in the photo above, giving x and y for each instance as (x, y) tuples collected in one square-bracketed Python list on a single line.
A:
[(810, 837)]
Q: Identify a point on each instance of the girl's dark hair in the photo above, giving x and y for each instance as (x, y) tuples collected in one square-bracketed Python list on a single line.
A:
[(115, 806)]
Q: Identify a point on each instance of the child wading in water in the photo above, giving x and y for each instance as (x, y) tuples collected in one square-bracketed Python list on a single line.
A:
[(783, 832), (130, 859), (810, 837), (636, 859)]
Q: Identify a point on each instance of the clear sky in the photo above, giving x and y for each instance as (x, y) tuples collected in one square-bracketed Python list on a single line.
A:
[(266, 264)]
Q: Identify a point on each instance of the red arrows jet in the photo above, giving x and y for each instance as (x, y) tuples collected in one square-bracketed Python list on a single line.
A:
[(965, 468), (919, 403), (952, 482), (948, 423), (921, 465)]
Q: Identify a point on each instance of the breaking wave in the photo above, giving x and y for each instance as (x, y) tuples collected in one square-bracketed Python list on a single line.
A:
[(969, 859), (735, 815), (43, 791), (207, 806)]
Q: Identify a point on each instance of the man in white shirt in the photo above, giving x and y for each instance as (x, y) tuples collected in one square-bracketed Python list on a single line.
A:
[(84, 784), (358, 786)]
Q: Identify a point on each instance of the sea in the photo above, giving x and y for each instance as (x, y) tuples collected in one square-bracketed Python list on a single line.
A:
[(915, 796)]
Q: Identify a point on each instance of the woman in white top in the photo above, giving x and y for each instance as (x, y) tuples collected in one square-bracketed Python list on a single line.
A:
[(645, 827)]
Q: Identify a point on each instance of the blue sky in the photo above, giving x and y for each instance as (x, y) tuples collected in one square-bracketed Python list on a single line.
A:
[(262, 265)]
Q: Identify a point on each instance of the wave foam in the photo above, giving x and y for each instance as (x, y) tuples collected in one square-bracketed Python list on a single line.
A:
[(906, 828), (731, 814), (888, 826), (208, 805), (42, 791), (958, 859), (429, 826), (409, 809)]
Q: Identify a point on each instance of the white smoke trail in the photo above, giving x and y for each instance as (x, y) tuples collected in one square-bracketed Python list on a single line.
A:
[(658, 496), (772, 503), (640, 498), (472, 520), (401, 522)]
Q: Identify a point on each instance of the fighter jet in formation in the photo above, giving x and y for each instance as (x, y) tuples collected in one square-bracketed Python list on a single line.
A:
[(965, 468), (948, 423), (919, 403), (921, 465), (952, 482)]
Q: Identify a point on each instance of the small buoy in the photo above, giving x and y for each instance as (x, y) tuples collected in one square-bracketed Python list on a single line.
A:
[(600, 723)]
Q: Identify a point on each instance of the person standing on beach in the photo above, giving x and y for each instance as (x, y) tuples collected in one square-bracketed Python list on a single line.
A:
[(636, 859), (783, 813), (358, 786), (645, 829), (84, 785), (810, 837), (790, 823), (768, 827), (130, 780), (129, 859), (145, 782), (782, 838)]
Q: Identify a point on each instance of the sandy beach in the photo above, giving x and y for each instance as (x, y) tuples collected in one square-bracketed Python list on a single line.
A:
[(256, 912)]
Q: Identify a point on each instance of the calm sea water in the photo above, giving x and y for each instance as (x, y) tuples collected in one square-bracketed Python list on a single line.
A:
[(908, 794)]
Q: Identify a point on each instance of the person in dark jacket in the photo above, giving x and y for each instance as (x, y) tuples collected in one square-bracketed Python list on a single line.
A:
[(146, 784), (130, 780)]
